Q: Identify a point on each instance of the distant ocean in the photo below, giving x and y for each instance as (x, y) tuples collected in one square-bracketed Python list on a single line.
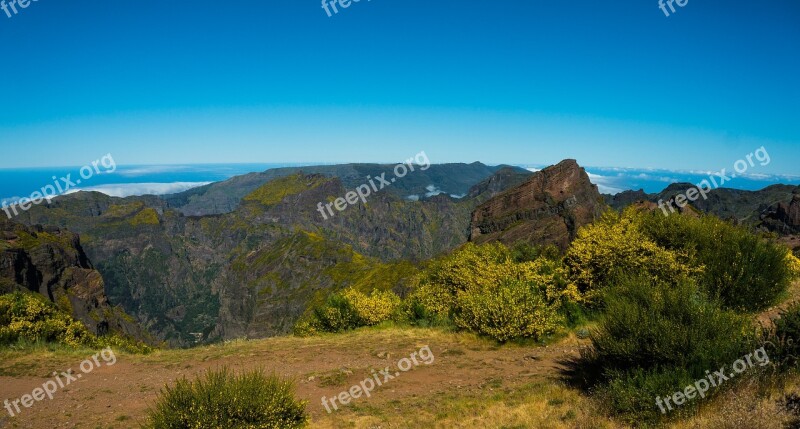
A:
[(167, 179), (126, 180)]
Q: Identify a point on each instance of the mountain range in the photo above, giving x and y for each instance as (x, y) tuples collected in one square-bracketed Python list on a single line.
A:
[(248, 256)]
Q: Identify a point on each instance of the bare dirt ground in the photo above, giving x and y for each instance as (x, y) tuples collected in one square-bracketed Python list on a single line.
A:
[(118, 396)]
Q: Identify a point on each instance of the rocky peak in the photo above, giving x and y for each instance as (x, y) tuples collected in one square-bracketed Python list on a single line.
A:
[(548, 208)]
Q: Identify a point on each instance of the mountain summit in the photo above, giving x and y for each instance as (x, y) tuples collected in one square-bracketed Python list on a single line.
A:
[(548, 208)]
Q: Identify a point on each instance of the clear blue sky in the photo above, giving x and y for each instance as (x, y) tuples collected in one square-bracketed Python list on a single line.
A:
[(611, 83)]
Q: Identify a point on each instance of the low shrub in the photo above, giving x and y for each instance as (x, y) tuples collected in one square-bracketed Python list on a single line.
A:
[(30, 317), (222, 399), (745, 271), (794, 263), (655, 335), (511, 310), (495, 291), (373, 309), (784, 338), (631, 395)]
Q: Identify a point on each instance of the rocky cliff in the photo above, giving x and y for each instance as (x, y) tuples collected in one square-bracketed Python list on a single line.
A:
[(548, 208), (51, 262)]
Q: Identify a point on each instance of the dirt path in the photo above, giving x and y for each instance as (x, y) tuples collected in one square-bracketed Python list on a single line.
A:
[(118, 396)]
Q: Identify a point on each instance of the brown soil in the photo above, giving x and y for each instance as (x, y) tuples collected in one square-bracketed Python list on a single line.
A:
[(119, 395)]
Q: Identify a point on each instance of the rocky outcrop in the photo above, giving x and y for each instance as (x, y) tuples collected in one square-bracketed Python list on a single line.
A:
[(784, 218), (547, 209), (51, 262)]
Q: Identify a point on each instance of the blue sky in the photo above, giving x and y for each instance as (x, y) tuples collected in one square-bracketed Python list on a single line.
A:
[(612, 83)]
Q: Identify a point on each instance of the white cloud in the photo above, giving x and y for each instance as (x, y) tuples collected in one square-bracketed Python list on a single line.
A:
[(604, 184), (433, 191), (130, 189)]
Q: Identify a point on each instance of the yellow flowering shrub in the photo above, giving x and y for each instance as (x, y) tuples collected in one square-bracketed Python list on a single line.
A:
[(30, 317), (372, 309), (349, 310), (615, 244), (512, 310), (484, 289), (794, 264)]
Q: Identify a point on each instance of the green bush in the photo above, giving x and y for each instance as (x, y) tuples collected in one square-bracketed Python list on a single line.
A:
[(657, 335), (649, 323), (745, 271), (224, 400), (631, 395), (511, 310), (784, 340)]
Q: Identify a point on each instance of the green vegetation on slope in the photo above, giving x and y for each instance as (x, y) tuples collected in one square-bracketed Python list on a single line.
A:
[(276, 190)]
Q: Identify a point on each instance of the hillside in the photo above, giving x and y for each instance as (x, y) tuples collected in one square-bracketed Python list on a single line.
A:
[(255, 268), (448, 179)]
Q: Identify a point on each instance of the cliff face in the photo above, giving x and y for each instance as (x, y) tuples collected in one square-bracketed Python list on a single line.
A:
[(547, 209), (51, 262)]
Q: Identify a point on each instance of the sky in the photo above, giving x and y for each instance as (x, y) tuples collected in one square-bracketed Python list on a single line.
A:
[(611, 84)]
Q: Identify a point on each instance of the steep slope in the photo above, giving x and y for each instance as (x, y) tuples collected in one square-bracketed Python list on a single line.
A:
[(547, 209), (51, 262)]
